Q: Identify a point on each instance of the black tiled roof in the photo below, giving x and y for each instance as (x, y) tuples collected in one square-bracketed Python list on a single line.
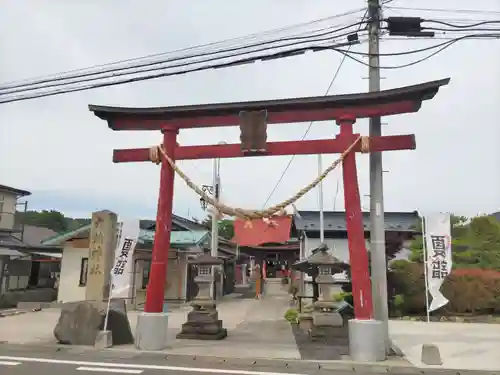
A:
[(334, 221)]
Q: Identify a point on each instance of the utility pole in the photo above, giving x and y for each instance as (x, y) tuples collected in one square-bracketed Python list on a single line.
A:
[(320, 202), (215, 222), (377, 222)]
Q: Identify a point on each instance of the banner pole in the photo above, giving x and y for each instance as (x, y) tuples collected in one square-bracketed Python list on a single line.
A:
[(106, 318), (426, 280)]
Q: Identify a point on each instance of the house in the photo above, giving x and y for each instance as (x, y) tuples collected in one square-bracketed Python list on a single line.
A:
[(187, 239), (24, 261), (306, 227)]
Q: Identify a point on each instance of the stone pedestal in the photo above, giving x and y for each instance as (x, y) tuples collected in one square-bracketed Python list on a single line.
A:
[(103, 340), (326, 322), (203, 321), (306, 322)]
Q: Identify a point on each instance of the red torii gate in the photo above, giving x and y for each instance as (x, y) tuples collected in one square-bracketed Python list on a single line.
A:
[(345, 109)]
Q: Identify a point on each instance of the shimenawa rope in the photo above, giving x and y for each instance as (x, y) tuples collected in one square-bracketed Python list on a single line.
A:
[(156, 152)]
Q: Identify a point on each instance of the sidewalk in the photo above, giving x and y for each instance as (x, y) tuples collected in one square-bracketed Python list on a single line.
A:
[(256, 329), (463, 346)]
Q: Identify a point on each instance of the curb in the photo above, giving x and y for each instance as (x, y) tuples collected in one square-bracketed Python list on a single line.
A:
[(13, 312), (396, 366)]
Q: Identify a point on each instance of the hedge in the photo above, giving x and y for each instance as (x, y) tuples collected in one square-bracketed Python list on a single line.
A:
[(469, 290)]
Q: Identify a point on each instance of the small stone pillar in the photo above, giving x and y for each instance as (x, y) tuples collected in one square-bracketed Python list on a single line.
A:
[(203, 321), (326, 320), (244, 279)]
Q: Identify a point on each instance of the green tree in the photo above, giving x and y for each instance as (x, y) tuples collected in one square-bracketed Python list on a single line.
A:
[(226, 227), (50, 219), (475, 243), (458, 231)]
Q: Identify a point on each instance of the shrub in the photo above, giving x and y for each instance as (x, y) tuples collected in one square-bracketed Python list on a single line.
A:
[(473, 291), (292, 316), (339, 297), (407, 280), (469, 290)]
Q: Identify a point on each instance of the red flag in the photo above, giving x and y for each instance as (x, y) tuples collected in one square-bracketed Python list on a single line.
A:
[(259, 231)]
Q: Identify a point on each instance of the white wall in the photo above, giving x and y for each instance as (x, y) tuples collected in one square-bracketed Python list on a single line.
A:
[(7, 209), (69, 290), (339, 247)]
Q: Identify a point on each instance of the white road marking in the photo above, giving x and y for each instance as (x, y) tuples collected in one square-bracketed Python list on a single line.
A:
[(9, 363), (105, 369), (143, 367)]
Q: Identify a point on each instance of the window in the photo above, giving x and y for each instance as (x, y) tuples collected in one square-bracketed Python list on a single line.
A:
[(84, 267)]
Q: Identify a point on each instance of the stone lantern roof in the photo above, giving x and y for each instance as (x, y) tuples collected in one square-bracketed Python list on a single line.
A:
[(206, 260), (320, 257)]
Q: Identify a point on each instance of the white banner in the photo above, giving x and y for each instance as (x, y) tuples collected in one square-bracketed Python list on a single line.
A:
[(439, 261), (122, 271)]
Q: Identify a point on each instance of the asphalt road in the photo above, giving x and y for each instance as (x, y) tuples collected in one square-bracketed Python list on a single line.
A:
[(39, 360), (23, 360), (14, 365)]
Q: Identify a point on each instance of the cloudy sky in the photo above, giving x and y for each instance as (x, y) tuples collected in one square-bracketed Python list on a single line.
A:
[(57, 149)]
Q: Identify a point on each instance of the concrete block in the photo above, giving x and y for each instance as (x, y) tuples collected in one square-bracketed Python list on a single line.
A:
[(431, 355), (103, 340)]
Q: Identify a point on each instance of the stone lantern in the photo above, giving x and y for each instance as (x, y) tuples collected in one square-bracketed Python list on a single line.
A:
[(326, 319), (203, 321)]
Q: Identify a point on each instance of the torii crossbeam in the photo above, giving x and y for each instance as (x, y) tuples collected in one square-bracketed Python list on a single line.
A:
[(253, 118)]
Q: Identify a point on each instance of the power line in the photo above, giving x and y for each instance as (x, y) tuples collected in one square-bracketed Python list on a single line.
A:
[(312, 122), (465, 11), (279, 55), (461, 30), (54, 77), (27, 87), (445, 23), (419, 50), (444, 46)]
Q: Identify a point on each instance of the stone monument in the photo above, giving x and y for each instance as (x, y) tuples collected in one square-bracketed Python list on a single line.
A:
[(203, 321), (102, 242)]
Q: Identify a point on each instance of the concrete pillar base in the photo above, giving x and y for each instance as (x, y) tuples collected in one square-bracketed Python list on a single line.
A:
[(151, 331), (366, 340), (103, 340), (431, 355)]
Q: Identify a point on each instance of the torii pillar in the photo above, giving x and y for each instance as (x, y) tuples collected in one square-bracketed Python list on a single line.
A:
[(253, 118)]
